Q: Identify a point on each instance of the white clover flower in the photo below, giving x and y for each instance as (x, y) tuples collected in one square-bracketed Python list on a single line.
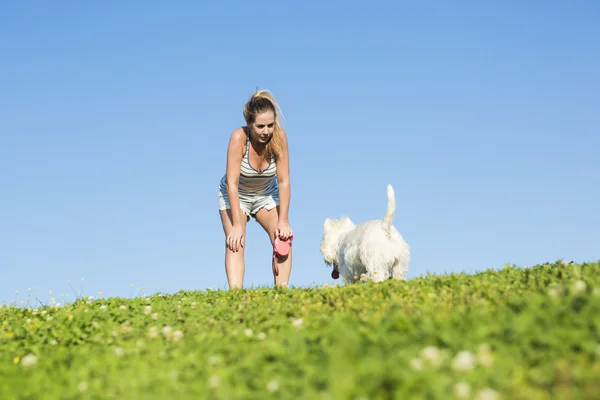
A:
[(83, 386), (177, 335), (153, 332), (273, 385), (555, 291), (166, 330), (488, 394), (193, 304), (119, 352), (298, 322), (579, 287), (261, 336), (464, 361), (248, 332), (29, 360), (123, 307), (462, 390), (484, 355), (147, 310), (214, 381), (148, 300), (155, 316), (103, 307), (416, 364), (432, 355), (214, 360)]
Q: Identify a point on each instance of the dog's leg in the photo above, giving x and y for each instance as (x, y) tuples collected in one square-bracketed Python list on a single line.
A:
[(377, 274), (399, 271)]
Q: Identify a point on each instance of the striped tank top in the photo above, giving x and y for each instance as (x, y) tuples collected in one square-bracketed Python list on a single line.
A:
[(252, 181)]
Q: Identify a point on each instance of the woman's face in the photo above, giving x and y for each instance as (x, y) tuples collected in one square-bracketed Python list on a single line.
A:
[(263, 126)]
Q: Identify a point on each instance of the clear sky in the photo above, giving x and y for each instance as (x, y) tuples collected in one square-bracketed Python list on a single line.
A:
[(115, 118)]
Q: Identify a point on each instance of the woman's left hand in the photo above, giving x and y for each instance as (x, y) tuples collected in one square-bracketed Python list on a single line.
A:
[(283, 230)]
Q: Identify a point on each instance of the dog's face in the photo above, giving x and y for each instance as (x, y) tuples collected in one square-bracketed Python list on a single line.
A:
[(333, 230)]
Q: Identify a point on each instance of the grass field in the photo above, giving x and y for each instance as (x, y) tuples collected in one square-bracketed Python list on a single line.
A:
[(514, 333)]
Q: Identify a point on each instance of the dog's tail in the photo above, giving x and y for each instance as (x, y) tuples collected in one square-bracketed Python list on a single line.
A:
[(391, 209)]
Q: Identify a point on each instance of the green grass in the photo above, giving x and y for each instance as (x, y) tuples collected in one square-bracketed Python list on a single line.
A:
[(514, 333)]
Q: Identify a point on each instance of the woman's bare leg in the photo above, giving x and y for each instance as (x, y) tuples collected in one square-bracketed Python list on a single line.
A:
[(268, 220), (234, 260)]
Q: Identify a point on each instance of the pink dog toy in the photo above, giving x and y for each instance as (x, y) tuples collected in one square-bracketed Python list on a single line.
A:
[(281, 248)]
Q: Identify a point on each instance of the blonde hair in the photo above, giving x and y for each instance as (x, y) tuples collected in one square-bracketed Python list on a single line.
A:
[(262, 101)]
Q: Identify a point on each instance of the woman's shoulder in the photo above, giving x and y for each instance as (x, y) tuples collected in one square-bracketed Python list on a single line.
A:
[(239, 133)]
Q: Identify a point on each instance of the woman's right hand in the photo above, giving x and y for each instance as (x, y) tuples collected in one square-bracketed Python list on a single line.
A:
[(235, 240)]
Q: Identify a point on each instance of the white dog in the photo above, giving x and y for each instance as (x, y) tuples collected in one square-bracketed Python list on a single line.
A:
[(368, 251)]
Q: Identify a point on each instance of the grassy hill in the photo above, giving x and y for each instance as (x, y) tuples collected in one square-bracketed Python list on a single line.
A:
[(515, 333)]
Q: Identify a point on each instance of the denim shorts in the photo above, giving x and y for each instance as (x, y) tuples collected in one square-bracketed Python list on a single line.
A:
[(250, 204)]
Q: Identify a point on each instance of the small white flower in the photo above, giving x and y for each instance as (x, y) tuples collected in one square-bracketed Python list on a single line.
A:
[(214, 360), (273, 385), (177, 335), (579, 287), (148, 300), (214, 381), (248, 332), (90, 297), (555, 291), (155, 316), (464, 361), (432, 355), (484, 355), (29, 360), (261, 336), (83, 386), (153, 332), (119, 352), (298, 322), (103, 307), (123, 307), (53, 342), (193, 304), (462, 390), (416, 364), (147, 310), (488, 394), (166, 330)]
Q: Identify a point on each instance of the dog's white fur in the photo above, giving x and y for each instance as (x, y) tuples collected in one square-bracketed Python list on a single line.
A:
[(370, 250)]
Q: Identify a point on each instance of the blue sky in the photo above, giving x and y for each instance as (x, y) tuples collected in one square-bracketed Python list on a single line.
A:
[(115, 119)]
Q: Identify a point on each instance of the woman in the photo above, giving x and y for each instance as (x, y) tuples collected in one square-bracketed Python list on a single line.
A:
[(257, 184)]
